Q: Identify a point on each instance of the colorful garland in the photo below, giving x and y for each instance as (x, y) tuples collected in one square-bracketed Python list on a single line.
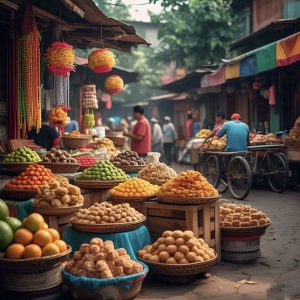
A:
[(101, 61)]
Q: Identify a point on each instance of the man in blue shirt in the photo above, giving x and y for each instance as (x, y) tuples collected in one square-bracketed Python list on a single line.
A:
[(237, 133)]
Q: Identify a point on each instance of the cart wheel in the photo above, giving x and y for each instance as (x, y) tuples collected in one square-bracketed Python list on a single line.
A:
[(239, 177), (211, 170), (277, 173), (285, 159)]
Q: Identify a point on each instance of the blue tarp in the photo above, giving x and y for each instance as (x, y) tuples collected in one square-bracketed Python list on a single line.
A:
[(248, 66)]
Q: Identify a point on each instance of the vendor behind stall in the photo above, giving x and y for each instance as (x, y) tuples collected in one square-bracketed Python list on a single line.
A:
[(237, 133), (219, 122), (47, 137)]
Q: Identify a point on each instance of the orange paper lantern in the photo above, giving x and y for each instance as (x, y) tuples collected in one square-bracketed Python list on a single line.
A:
[(101, 61), (114, 84)]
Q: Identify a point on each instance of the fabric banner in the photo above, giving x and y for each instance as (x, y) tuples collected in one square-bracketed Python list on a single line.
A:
[(248, 66), (232, 71), (266, 58), (218, 77), (288, 50)]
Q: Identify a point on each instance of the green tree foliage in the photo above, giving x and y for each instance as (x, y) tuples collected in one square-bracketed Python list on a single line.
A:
[(194, 32), (113, 9)]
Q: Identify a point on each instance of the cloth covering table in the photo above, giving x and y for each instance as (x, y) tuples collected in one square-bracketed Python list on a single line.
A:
[(132, 240)]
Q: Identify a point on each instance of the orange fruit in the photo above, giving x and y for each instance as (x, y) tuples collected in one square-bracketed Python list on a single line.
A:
[(50, 249), (55, 234), (24, 222), (45, 226), (14, 251), (23, 236), (61, 245), (32, 251), (42, 237), (34, 222)]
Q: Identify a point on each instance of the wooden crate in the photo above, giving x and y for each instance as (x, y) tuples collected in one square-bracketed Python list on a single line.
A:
[(203, 220), (293, 155)]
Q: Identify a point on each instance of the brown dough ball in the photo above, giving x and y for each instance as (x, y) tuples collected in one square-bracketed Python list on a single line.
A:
[(179, 242), (140, 253), (155, 245), (122, 251), (206, 257), (112, 255), (117, 271), (199, 259), (191, 257), (184, 249), (100, 256), (77, 255), (84, 249), (167, 233), (106, 274), (183, 261), (191, 243), (154, 259), (160, 241), (169, 240), (171, 249), (94, 249), (163, 256), (147, 256), (188, 234), (171, 261), (211, 254), (177, 234), (137, 268), (178, 256), (162, 247)]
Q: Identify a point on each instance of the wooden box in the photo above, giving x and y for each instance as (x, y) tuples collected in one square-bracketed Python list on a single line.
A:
[(293, 155), (203, 220)]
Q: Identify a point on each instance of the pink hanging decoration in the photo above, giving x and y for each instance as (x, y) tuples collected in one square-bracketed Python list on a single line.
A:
[(272, 97)]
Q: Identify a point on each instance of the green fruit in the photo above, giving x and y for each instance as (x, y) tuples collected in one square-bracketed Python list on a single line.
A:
[(14, 223), (4, 213), (6, 235)]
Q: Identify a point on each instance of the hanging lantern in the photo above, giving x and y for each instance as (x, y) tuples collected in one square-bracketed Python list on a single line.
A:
[(60, 59), (101, 61), (256, 85), (114, 84)]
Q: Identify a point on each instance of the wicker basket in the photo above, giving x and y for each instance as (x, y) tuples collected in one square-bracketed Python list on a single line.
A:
[(19, 194), (130, 169), (57, 167), (74, 143), (57, 211), (97, 184), (108, 228), (243, 231), (14, 168), (155, 182), (181, 269), (188, 200)]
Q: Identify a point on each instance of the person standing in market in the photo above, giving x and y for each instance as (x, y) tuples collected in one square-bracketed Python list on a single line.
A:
[(169, 139), (141, 133), (157, 136), (237, 134), (189, 125), (219, 122)]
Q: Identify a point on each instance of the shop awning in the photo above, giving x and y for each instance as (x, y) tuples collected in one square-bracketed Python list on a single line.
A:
[(172, 96)]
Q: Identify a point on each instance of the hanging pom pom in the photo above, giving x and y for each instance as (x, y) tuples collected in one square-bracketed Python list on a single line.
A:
[(101, 61), (114, 84)]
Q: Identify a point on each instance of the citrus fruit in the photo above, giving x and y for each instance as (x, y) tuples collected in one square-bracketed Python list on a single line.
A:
[(3, 210), (24, 222), (34, 222), (61, 245), (54, 233), (14, 251), (6, 235), (32, 251), (42, 237), (45, 226), (50, 249), (14, 223), (23, 236)]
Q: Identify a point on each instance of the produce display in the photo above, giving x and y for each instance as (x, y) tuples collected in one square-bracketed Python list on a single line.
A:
[(58, 193), (109, 145), (187, 184), (22, 154), (59, 156), (100, 259), (219, 144), (86, 161), (103, 170), (157, 172), (128, 158), (257, 138), (106, 213), (29, 239), (236, 215), (203, 134), (177, 247), (33, 177), (89, 120), (77, 134), (293, 139), (57, 115), (134, 187)]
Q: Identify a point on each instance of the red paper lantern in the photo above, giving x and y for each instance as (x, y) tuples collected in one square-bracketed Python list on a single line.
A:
[(60, 58), (256, 85), (101, 61), (114, 84)]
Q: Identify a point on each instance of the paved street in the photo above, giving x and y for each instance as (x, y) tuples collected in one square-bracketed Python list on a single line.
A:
[(275, 275)]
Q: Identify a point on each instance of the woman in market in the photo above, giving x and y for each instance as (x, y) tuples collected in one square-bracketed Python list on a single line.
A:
[(219, 122), (47, 137)]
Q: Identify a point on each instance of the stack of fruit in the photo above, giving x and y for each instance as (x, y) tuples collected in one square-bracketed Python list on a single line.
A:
[(128, 158), (235, 215), (293, 140), (58, 194), (86, 161), (188, 184), (134, 187), (177, 247), (33, 177), (106, 213), (59, 156), (109, 145), (89, 120), (203, 134), (28, 239), (22, 154), (100, 259), (103, 171), (57, 115)]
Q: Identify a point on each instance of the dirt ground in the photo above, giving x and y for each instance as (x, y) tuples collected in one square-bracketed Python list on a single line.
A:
[(275, 275)]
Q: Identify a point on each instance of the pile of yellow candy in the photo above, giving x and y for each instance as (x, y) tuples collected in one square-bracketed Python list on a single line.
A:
[(188, 184), (134, 187)]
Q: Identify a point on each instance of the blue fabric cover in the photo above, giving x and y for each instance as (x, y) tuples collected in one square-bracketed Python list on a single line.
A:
[(132, 241), (248, 66), (24, 209), (131, 175)]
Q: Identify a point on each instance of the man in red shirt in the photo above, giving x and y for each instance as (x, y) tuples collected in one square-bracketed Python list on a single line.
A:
[(141, 133), (189, 125)]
